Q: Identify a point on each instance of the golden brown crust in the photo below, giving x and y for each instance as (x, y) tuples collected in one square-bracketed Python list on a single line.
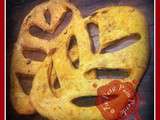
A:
[(25, 40), (114, 24)]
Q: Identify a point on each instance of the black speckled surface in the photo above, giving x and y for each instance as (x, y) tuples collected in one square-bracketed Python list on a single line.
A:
[(16, 11)]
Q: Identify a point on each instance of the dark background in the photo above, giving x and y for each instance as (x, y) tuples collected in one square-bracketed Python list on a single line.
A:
[(18, 9)]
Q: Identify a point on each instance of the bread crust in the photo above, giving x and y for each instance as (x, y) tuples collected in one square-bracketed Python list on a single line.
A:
[(114, 23)]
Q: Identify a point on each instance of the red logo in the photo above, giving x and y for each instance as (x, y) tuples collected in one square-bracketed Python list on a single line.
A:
[(116, 100)]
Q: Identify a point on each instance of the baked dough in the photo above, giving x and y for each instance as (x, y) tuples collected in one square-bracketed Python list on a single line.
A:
[(27, 42), (115, 24)]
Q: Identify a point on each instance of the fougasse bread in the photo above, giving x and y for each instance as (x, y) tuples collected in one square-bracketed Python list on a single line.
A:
[(66, 58)]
